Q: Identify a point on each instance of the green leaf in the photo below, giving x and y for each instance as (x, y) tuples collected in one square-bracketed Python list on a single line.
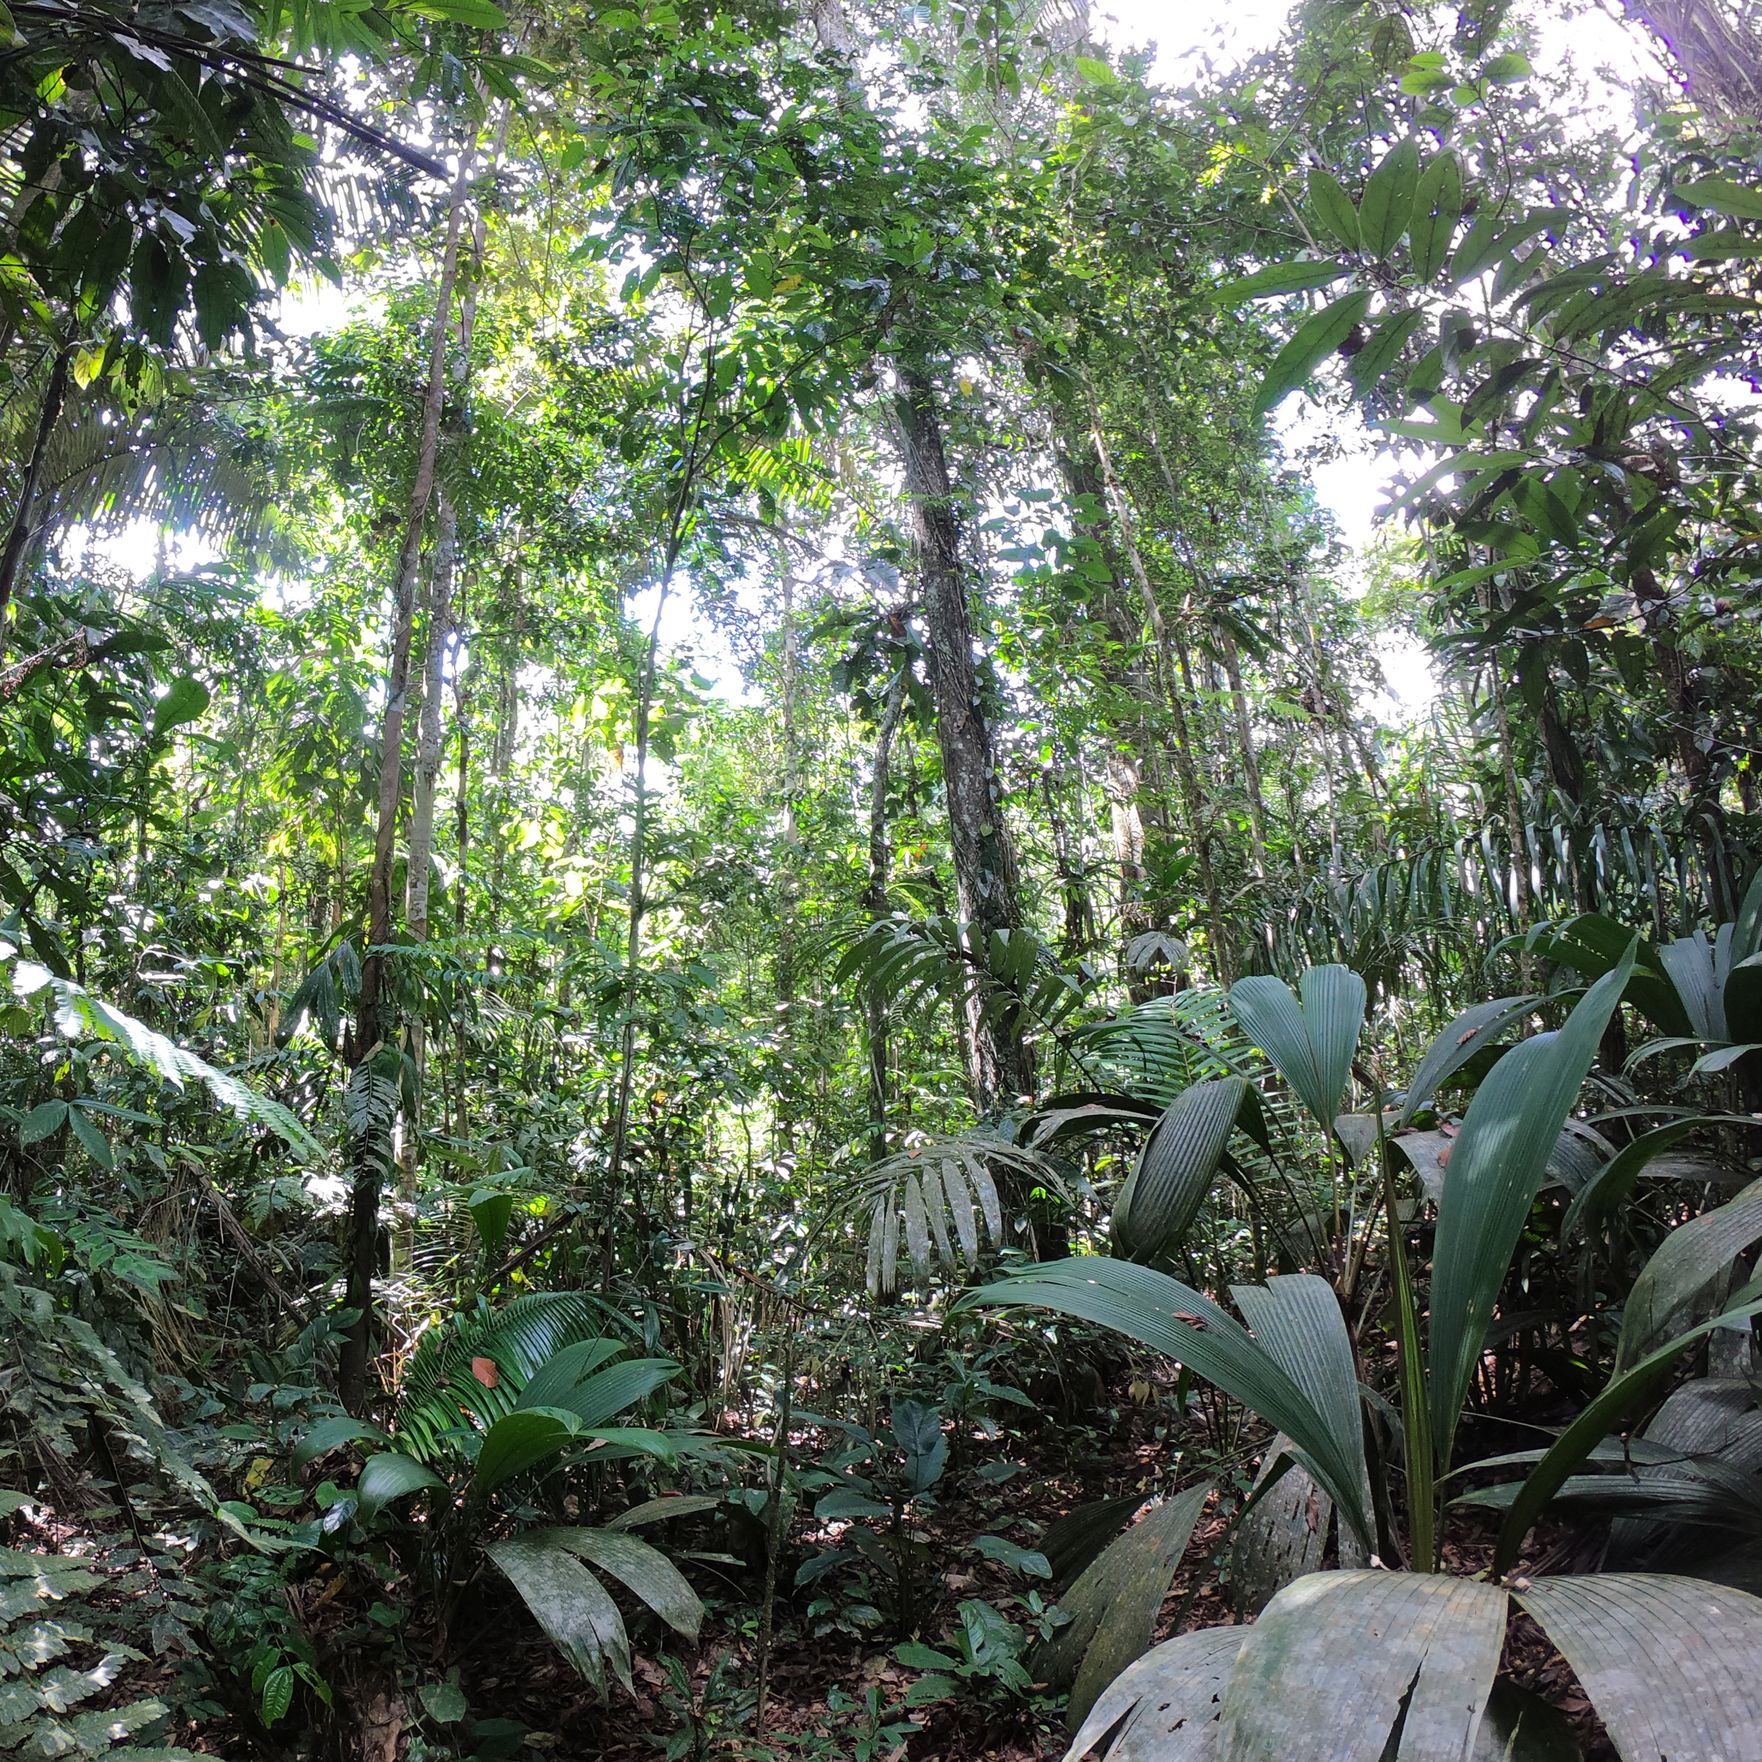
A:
[(45, 1118), (1026, 1561), (392, 1475), (1620, 1398), (1688, 1260), (1113, 1603), (1508, 69), (1176, 1168), (1734, 200), (1297, 1321), (1477, 1026), (1332, 209), (1296, 277), (1382, 350), (569, 1603), (491, 1212), (1316, 339), (97, 1146), (278, 1694), (842, 1503), (519, 1441), (574, 1382), (184, 701), (1387, 209), (915, 1655), (1508, 1135), (1338, 1658), (1437, 207), (1165, 1707), (1149, 1306), (1669, 1663), (477, 15), (1094, 71), (1310, 1042), (443, 1702), (327, 1434), (641, 1568)]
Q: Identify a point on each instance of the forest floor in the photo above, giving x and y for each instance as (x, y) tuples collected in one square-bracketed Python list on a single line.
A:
[(824, 1686)]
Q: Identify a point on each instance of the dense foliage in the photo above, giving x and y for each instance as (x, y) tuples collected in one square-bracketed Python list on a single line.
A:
[(737, 1020)]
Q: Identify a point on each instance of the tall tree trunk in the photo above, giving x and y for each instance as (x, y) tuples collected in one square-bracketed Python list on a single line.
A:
[(1170, 663), (23, 528), (372, 1019), (987, 886), (875, 900)]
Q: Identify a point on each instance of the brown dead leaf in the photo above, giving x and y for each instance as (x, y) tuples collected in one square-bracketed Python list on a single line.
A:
[(486, 1372)]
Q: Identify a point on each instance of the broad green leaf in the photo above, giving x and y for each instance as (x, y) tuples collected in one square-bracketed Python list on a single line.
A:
[(185, 700), (1169, 1317), (1297, 1320), (1176, 1168), (1310, 1042), (1382, 350), (642, 1569), (519, 1441), (569, 1603), (1316, 339), (1332, 209), (327, 1434), (1723, 196), (45, 1118), (443, 1701), (391, 1475), (1685, 1264), (1028, 1561), (1477, 1026), (1624, 1395), (1670, 1664), (574, 1382), (491, 1212), (1508, 1135), (1387, 209), (1437, 206), (1297, 277), (1166, 1705), (1339, 1661), (1114, 1602), (277, 1695), (477, 15)]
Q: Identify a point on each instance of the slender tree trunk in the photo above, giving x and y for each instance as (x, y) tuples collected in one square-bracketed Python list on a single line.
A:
[(1246, 750), (645, 698), (23, 528), (1169, 666), (987, 887), (372, 1020), (875, 900)]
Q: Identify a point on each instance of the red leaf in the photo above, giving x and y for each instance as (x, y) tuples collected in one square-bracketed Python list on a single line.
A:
[(484, 1369)]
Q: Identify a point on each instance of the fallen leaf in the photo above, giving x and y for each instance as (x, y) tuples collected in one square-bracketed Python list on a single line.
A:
[(484, 1369)]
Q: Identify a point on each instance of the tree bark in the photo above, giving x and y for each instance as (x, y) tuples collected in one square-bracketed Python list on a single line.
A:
[(372, 1022), (987, 885), (875, 900), (23, 529)]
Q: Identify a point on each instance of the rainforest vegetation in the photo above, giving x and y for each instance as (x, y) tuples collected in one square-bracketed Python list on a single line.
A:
[(770, 991)]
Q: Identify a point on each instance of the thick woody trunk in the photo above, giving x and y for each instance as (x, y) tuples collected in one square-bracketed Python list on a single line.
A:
[(987, 887), (373, 1017)]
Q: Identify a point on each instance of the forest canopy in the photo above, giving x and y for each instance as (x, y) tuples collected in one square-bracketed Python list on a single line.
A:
[(880, 881)]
